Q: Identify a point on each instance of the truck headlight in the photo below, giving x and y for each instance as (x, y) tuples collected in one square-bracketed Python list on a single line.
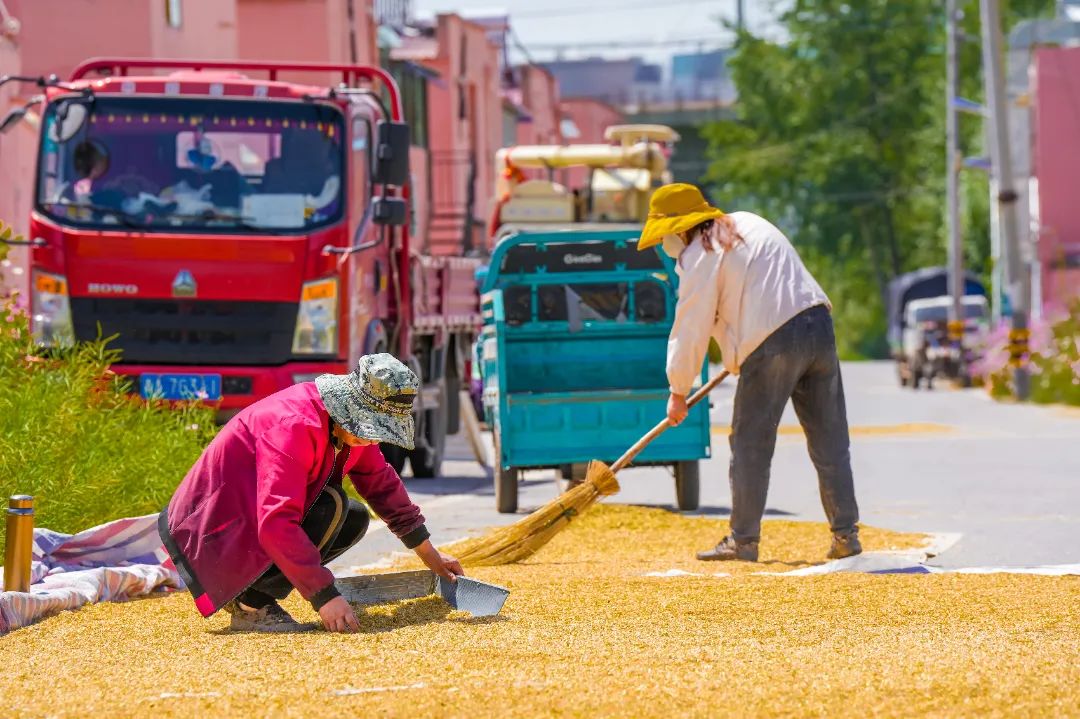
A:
[(316, 318), (50, 311)]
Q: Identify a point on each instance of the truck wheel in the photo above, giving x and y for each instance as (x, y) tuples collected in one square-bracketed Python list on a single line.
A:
[(395, 456), (568, 476), (506, 484), (453, 405), (426, 461), (687, 485)]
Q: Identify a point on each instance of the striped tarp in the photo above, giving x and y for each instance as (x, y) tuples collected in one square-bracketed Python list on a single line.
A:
[(111, 562)]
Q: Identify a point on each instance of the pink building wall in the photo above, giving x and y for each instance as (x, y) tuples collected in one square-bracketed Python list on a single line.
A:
[(464, 113), (267, 30), (540, 96), (1057, 169)]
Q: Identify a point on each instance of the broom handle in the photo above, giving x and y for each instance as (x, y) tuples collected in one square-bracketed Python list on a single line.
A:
[(659, 429)]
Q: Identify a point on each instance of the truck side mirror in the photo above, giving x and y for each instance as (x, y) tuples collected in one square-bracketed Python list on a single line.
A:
[(389, 211), (390, 161), (13, 118)]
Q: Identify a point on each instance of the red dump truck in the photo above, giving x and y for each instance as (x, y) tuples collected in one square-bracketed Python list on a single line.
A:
[(238, 233)]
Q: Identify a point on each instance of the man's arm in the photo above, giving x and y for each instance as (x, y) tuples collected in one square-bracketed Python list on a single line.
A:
[(695, 316)]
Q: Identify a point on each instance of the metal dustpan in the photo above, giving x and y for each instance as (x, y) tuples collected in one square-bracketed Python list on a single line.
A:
[(470, 595)]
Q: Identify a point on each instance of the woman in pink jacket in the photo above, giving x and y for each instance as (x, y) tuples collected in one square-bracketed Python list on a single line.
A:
[(263, 509), (742, 284)]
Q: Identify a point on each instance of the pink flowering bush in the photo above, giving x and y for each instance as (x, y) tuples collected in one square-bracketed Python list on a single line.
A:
[(1054, 359)]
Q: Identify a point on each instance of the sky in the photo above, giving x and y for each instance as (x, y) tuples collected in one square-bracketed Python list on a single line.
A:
[(652, 29)]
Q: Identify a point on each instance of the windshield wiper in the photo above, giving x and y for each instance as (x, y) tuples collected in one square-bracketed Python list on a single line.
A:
[(127, 219)]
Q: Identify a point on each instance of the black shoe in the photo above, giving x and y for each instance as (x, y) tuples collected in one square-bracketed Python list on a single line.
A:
[(845, 544), (729, 549), (271, 618)]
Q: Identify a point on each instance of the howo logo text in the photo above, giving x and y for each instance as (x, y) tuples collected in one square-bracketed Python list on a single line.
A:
[(587, 259), (107, 288)]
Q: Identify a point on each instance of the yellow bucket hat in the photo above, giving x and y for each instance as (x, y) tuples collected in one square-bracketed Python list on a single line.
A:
[(673, 209)]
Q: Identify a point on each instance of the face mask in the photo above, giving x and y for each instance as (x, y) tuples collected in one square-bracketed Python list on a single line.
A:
[(673, 246)]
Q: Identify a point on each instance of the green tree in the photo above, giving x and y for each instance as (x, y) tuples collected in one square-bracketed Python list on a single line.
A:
[(839, 138)]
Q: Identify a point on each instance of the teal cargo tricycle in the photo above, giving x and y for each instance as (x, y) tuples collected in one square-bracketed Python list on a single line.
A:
[(573, 354)]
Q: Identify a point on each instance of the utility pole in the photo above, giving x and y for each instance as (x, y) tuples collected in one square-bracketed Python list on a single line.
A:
[(740, 15), (952, 168), (1018, 276)]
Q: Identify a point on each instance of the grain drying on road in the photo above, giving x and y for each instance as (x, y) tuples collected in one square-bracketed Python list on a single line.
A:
[(584, 633)]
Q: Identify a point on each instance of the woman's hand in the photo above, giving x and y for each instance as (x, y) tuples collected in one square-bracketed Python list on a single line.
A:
[(442, 564), (338, 616), (677, 409)]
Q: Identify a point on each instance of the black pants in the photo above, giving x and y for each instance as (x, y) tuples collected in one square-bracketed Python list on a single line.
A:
[(797, 362), (334, 524)]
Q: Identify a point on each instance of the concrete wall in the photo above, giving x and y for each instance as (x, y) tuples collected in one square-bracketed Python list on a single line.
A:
[(1057, 170)]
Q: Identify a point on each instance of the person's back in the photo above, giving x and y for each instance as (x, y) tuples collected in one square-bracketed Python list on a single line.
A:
[(763, 284)]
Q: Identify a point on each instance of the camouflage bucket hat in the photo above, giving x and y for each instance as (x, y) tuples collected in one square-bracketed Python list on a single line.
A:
[(374, 401)]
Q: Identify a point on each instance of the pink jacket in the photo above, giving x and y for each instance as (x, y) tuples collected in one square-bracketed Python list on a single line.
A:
[(239, 508)]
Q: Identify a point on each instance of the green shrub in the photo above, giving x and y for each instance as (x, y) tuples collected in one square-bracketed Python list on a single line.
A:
[(70, 436)]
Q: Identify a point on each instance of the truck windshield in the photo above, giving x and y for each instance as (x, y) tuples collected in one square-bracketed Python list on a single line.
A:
[(940, 313), (192, 164)]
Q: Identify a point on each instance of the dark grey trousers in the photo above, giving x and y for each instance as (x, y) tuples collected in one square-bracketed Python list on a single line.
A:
[(333, 524), (797, 362)]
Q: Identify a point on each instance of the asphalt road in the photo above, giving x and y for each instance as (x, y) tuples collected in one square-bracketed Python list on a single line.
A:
[(1005, 476)]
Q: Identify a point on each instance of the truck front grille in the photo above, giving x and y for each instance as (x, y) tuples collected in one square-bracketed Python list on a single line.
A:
[(189, 331)]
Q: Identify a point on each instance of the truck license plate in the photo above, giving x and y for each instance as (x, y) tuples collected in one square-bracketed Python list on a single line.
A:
[(180, 386)]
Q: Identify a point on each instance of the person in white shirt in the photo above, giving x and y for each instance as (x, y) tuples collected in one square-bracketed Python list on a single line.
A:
[(742, 284)]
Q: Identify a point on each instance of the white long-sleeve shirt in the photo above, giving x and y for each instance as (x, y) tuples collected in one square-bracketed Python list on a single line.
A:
[(738, 296)]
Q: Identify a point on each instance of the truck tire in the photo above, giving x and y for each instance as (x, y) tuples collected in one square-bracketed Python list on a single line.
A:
[(426, 461), (453, 404), (395, 456), (506, 484), (568, 476), (687, 485)]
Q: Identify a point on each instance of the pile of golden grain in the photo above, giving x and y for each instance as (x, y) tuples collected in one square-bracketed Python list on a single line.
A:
[(585, 634)]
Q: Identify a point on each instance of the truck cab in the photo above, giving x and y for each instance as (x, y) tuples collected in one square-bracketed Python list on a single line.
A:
[(236, 234)]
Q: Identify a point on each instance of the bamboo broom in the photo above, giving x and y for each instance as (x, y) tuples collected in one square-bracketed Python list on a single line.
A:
[(522, 539)]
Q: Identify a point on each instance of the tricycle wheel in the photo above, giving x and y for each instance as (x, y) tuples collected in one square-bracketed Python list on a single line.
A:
[(687, 485), (506, 484)]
